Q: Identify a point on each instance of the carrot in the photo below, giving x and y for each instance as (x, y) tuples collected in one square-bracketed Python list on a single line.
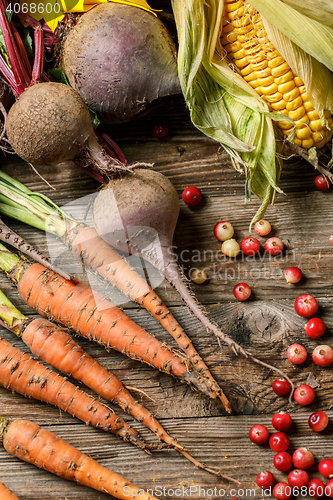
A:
[(20, 373), (5, 494), (37, 210), (57, 348), (29, 442)]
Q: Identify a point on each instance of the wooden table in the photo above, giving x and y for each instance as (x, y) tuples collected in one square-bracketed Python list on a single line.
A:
[(265, 325)]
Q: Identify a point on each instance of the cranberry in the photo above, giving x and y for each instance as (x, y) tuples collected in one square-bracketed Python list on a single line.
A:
[(223, 231), (279, 441), (296, 354), (265, 479), (230, 248), (323, 355), (258, 434), (250, 246), (306, 305), (262, 227), (242, 291), (304, 395), (315, 328), (282, 421), (318, 421), (298, 478), (293, 274), (329, 488), (199, 277), (281, 387), (192, 196), (303, 458), (322, 183), (274, 246), (325, 468), (160, 130), (282, 461), (316, 488), (282, 491)]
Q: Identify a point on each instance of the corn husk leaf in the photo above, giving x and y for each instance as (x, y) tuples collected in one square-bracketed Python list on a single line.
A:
[(321, 11)]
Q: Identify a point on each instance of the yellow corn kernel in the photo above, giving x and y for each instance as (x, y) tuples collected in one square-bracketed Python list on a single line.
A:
[(296, 103), (290, 96), (316, 125), (307, 143), (287, 87), (297, 114), (304, 132)]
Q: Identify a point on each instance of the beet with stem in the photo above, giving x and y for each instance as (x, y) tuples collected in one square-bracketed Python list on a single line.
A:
[(120, 58), (142, 212)]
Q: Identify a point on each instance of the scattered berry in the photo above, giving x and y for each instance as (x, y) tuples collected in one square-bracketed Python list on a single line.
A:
[(281, 387), (298, 478), (160, 130), (282, 491), (315, 328), (250, 246), (316, 488), (199, 277), (304, 395), (329, 488), (325, 468), (322, 183), (293, 275), (192, 196), (323, 355), (282, 461), (265, 479), (262, 227), (258, 434), (306, 305), (242, 291), (223, 231), (274, 246), (318, 421), (279, 441), (282, 421), (303, 458), (296, 353), (230, 248)]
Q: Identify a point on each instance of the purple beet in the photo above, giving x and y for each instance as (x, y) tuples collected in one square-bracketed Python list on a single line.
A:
[(120, 59), (138, 213)]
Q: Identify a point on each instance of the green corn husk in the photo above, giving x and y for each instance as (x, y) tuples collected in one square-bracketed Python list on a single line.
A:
[(225, 107)]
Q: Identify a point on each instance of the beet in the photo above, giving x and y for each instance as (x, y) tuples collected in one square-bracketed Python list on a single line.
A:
[(140, 207), (120, 59), (50, 123)]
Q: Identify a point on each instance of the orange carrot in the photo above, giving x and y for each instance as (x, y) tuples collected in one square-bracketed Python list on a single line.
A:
[(20, 373), (5, 494), (29, 442), (76, 306)]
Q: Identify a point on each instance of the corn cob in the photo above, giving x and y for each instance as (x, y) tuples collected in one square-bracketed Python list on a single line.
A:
[(245, 41)]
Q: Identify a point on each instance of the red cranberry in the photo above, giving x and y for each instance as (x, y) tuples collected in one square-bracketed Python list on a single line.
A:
[(279, 441), (262, 227), (298, 478), (329, 488), (258, 434), (265, 479), (322, 183), (274, 246), (223, 231), (304, 395), (296, 354), (160, 130), (293, 275), (325, 468), (306, 305), (242, 291), (250, 246), (323, 355), (282, 491), (282, 461), (192, 196), (282, 421), (303, 458), (316, 488), (281, 387), (318, 421), (315, 328)]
